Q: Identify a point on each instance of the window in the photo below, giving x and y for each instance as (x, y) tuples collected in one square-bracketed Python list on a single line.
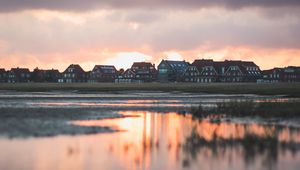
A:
[(163, 70)]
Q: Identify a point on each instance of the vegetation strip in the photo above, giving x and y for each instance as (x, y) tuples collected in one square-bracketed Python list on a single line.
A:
[(288, 89)]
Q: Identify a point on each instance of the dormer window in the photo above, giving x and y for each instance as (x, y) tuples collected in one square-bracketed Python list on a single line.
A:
[(70, 70)]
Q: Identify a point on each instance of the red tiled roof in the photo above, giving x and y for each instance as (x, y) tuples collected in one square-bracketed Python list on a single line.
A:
[(20, 70), (142, 64)]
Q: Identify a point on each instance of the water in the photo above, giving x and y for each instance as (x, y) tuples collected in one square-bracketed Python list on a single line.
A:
[(156, 138), (132, 100)]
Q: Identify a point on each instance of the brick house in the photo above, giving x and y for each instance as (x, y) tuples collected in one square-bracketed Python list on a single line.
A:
[(144, 71), (207, 71), (291, 74), (73, 74), (103, 73), (139, 72), (18, 75), (50, 76), (287, 74), (127, 77), (273, 75), (238, 71)]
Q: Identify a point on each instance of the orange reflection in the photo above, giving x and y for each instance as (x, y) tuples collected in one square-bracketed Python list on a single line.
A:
[(149, 136), (146, 140)]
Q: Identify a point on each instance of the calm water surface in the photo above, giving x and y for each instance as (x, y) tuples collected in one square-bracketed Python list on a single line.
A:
[(148, 140)]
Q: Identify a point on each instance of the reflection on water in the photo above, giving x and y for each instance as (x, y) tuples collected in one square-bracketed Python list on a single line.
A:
[(149, 140)]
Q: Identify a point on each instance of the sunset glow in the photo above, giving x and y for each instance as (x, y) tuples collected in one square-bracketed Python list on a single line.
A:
[(54, 36)]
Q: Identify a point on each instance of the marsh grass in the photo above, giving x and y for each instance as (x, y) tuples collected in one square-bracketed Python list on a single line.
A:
[(288, 89), (249, 109)]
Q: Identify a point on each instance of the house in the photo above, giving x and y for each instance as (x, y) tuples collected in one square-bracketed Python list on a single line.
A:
[(138, 73), (144, 71), (207, 70), (238, 71), (3, 75), (50, 76), (171, 70), (18, 75), (273, 75), (287, 74), (73, 74), (127, 77), (291, 74), (103, 73)]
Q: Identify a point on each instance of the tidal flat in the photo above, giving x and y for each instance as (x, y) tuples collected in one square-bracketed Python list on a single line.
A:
[(143, 130)]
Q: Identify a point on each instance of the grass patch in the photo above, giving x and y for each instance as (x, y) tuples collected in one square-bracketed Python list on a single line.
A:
[(288, 89)]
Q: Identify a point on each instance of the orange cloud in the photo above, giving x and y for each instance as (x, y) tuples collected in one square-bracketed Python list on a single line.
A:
[(123, 58)]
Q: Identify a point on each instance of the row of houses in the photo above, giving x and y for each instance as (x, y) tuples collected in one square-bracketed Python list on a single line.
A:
[(23, 75), (206, 71), (200, 71), (287, 74)]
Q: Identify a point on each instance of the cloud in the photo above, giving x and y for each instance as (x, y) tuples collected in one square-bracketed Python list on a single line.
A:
[(79, 5), (43, 32), (53, 35)]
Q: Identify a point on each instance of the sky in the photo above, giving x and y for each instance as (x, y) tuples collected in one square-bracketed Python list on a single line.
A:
[(55, 33)]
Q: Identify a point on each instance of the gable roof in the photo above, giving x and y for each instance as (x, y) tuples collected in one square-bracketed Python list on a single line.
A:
[(129, 71), (76, 67), (221, 66), (52, 71), (105, 68), (143, 68), (240, 63), (243, 65), (203, 63), (291, 69), (271, 71), (20, 70), (177, 66), (2, 70), (142, 65)]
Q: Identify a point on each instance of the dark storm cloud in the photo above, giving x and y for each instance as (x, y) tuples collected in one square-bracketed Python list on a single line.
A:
[(81, 5)]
